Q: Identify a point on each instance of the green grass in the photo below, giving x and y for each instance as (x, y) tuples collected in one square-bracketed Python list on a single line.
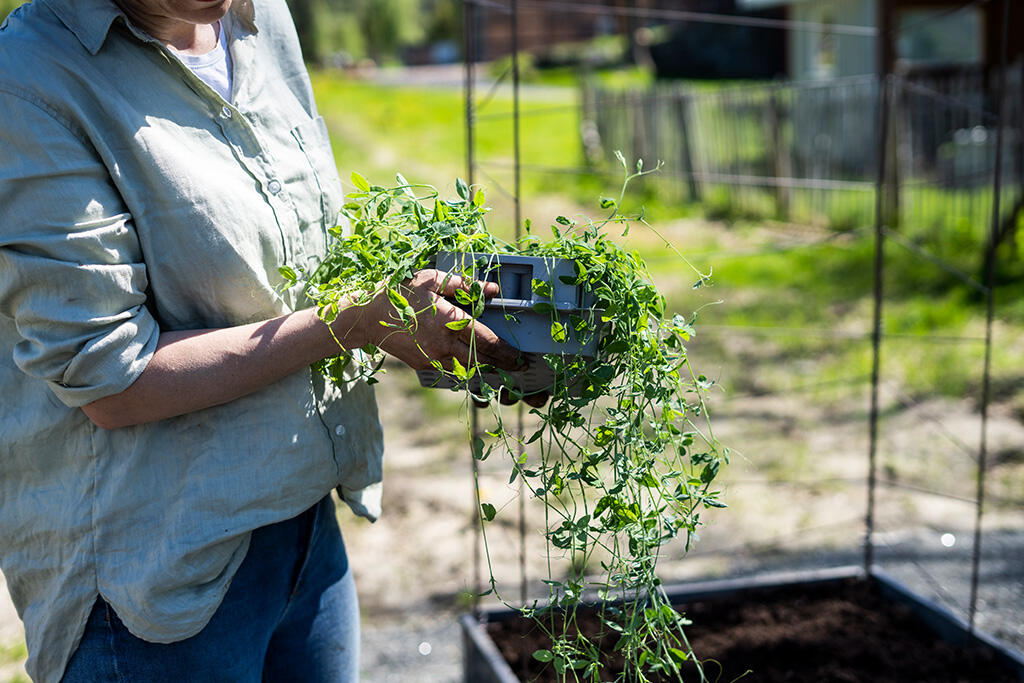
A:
[(13, 654), (381, 129), (7, 6), (420, 131)]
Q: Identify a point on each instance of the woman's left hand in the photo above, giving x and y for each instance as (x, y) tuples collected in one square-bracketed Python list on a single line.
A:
[(430, 338)]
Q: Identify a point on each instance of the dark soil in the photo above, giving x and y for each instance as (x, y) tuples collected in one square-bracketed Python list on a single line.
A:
[(845, 632)]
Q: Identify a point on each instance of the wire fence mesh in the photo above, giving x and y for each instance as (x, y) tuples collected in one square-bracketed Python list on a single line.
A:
[(800, 163)]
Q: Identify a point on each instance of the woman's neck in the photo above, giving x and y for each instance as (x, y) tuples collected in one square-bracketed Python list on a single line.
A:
[(202, 38), (189, 32)]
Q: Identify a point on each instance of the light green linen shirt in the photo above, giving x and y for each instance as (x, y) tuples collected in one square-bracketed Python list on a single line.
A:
[(134, 199)]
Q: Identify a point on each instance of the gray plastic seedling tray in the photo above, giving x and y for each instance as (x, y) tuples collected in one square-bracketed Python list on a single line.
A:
[(512, 317)]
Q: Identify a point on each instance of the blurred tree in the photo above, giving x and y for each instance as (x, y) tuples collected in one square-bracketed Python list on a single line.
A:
[(378, 29), (445, 20), (304, 13)]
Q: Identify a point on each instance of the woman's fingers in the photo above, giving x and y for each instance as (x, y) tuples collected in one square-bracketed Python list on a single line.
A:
[(446, 284), (432, 339), (537, 400), (488, 346)]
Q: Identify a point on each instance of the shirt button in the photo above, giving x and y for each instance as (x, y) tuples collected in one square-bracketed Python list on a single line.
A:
[(274, 186), (340, 430), (225, 112)]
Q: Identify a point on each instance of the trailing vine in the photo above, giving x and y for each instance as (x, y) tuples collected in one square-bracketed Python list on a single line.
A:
[(622, 457)]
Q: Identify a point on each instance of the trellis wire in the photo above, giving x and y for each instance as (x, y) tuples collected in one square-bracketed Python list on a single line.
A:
[(517, 204), (684, 15), (990, 268)]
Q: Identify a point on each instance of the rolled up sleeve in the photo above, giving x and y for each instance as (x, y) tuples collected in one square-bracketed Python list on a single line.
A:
[(72, 276)]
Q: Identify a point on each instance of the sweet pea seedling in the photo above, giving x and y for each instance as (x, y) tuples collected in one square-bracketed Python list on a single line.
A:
[(622, 457)]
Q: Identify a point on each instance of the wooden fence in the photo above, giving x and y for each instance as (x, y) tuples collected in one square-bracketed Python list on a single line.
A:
[(807, 152)]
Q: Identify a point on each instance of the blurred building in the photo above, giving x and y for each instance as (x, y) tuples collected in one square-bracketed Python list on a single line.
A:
[(658, 33), (924, 36)]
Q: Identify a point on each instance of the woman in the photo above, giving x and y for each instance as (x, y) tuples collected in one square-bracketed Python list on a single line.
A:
[(166, 454)]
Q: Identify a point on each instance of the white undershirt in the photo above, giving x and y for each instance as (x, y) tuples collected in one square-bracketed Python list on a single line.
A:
[(214, 67)]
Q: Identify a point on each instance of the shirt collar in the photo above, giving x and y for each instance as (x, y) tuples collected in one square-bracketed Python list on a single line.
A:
[(90, 20)]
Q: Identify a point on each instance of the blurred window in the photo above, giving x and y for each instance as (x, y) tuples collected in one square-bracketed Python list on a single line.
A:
[(929, 37)]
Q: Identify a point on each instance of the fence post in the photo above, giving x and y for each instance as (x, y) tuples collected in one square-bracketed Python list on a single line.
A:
[(636, 114), (780, 154), (893, 172), (681, 101)]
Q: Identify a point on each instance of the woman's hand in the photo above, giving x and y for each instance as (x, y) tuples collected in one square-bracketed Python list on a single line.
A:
[(430, 338)]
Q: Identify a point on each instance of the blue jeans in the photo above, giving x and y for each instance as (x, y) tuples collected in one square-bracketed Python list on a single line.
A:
[(290, 614)]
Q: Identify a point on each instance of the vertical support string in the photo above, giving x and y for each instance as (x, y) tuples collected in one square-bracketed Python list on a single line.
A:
[(517, 217), (469, 54), (990, 277)]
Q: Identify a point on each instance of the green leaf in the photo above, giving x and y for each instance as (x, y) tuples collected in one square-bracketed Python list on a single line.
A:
[(605, 503), (563, 220), (288, 274), (405, 185), (397, 300), (558, 332), (360, 182), (458, 369), (462, 188), (710, 471), (543, 307), (578, 323), (543, 655), (608, 203), (648, 480), (460, 324), (478, 198), (617, 346), (540, 287), (488, 511), (479, 447), (383, 207)]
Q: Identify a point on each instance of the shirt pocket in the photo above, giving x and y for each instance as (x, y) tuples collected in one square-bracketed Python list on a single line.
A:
[(315, 144)]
